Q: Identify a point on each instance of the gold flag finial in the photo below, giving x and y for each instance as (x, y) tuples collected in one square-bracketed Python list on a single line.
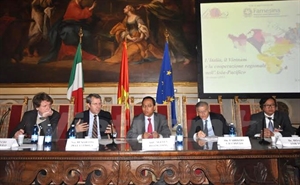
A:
[(80, 35), (167, 35)]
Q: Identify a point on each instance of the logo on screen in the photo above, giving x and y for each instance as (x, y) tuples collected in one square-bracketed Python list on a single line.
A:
[(214, 13), (247, 12)]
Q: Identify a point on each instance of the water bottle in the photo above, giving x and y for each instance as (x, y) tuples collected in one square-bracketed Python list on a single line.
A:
[(179, 137), (231, 130), (72, 132), (48, 138), (35, 134)]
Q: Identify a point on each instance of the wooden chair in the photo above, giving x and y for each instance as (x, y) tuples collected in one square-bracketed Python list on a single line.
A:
[(118, 116), (66, 112), (10, 116), (243, 112), (164, 109)]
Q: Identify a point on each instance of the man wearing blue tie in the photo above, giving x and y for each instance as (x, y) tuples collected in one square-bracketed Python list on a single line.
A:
[(270, 120), (207, 123)]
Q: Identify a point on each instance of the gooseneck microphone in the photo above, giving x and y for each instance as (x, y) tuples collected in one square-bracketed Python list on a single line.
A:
[(112, 145), (262, 136)]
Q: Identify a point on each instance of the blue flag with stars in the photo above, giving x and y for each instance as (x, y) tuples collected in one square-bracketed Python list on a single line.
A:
[(165, 89)]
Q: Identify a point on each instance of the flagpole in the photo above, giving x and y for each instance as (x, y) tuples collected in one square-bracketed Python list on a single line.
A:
[(80, 35), (167, 35)]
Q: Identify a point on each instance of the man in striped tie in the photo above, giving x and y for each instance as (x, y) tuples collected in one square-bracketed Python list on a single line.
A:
[(94, 122)]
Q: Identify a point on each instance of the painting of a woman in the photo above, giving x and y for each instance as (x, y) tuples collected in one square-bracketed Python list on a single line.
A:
[(135, 32)]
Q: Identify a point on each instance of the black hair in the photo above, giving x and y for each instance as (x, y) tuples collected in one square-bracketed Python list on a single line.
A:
[(263, 101), (149, 97), (39, 97)]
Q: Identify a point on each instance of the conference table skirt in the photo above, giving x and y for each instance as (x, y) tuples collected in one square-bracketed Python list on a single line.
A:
[(126, 163)]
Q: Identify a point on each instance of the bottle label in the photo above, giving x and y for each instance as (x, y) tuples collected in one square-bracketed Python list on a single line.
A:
[(34, 137), (48, 139), (179, 138), (72, 137)]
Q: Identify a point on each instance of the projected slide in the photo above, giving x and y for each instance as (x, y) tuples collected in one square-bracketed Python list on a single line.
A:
[(250, 47)]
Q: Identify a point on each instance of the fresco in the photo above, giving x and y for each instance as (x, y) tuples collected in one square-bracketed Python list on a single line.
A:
[(38, 39)]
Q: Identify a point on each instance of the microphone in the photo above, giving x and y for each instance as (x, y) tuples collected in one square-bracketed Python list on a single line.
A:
[(3, 117), (262, 136), (112, 145)]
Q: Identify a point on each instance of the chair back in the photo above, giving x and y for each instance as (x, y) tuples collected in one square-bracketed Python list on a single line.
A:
[(118, 117), (66, 112), (10, 117), (243, 111), (164, 109)]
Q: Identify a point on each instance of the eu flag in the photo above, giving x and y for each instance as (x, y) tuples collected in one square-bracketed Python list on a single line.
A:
[(165, 89)]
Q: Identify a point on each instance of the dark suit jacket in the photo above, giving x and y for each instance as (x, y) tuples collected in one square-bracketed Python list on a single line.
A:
[(218, 122), (138, 126), (104, 119), (29, 120), (280, 118)]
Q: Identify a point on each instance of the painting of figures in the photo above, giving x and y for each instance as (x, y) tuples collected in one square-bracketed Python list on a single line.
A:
[(39, 38)]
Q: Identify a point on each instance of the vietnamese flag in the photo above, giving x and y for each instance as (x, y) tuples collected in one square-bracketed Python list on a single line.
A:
[(123, 86)]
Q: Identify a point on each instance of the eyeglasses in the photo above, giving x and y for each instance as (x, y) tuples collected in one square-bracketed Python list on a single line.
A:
[(269, 106)]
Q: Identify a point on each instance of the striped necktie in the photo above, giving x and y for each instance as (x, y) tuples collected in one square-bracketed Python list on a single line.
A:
[(95, 128)]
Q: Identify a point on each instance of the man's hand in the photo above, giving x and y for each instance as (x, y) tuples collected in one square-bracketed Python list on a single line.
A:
[(201, 142), (155, 134), (201, 134), (47, 114), (268, 133), (147, 135), (19, 132), (108, 130), (81, 127)]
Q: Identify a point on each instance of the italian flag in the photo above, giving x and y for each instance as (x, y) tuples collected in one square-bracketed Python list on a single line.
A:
[(75, 88)]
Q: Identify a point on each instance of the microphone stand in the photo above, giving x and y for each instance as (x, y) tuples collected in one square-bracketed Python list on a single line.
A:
[(112, 145), (262, 136)]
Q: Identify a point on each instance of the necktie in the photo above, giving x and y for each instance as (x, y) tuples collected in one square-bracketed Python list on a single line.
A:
[(149, 130), (95, 128), (271, 127), (205, 130)]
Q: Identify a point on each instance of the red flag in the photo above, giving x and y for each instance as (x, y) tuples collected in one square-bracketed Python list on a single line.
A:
[(123, 87)]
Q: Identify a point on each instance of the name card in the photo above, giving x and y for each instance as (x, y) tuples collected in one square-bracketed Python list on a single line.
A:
[(234, 143), (290, 142), (8, 143), (158, 144), (82, 145)]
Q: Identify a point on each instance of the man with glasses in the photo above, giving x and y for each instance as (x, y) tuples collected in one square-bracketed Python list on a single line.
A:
[(271, 121)]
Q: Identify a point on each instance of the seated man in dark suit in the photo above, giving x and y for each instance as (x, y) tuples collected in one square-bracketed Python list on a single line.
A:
[(207, 123), (42, 115), (270, 120), (93, 123), (149, 124)]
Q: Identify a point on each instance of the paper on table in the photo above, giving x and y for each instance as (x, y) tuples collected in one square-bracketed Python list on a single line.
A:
[(210, 138), (27, 146)]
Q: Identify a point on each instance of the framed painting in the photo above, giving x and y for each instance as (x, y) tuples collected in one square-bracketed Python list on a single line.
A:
[(39, 39)]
